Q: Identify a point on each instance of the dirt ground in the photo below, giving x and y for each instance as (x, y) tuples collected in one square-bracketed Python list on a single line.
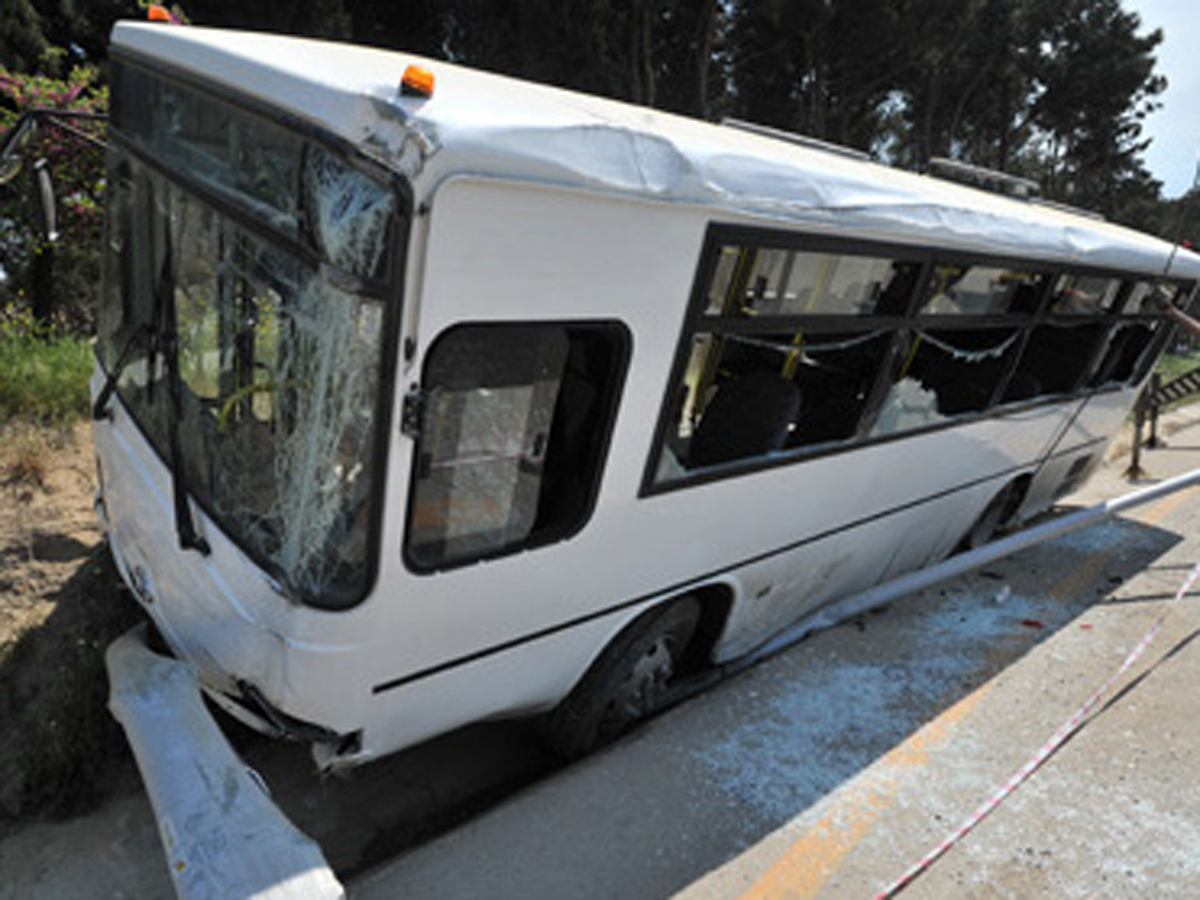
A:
[(60, 603), (47, 523)]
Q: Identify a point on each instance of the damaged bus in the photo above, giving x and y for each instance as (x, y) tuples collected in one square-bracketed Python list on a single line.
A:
[(426, 396)]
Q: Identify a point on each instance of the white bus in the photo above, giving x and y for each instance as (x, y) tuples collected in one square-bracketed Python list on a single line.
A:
[(426, 396)]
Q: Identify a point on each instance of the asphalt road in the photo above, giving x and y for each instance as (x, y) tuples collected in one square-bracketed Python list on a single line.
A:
[(824, 772)]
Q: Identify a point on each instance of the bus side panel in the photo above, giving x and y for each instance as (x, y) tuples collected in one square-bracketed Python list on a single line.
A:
[(514, 252), (903, 522), (529, 678), (511, 253), (1080, 450)]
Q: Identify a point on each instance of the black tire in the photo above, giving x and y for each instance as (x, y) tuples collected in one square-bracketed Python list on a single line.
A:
[(994, 516), (624, 683)]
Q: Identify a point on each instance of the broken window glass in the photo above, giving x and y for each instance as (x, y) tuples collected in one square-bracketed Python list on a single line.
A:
[(1056, 360), (944, 373), (281, 374), (348, 213), (773, 366), (279, 357), (280, 387), (297, 186), (1124, 357)]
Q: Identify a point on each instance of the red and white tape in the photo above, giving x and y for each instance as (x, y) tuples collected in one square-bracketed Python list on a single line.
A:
[(1059, 737)]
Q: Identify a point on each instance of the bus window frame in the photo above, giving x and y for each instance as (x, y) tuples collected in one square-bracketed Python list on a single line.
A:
[(608, 413), (697, 321)]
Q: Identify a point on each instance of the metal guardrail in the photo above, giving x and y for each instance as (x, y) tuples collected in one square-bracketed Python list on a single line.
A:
[(1150, 404), (223, 835)]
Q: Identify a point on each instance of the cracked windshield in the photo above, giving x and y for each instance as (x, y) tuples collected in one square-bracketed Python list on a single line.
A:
[(278, 366)]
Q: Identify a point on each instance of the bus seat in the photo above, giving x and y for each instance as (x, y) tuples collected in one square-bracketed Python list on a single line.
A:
[(748, 416)]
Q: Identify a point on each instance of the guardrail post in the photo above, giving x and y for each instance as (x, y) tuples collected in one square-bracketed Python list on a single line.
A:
[(1153, 441), (1135, 454)]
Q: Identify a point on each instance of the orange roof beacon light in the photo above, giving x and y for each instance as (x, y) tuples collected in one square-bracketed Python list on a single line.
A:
[(159, 13), (417, 82)]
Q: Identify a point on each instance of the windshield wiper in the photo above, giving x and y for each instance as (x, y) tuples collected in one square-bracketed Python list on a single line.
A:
[(100, 407), (168, 344)]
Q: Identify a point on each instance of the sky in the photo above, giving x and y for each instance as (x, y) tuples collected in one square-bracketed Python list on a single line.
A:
[(1175, 128)]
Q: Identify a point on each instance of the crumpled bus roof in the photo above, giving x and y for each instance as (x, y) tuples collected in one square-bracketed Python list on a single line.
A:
[(483, 124)]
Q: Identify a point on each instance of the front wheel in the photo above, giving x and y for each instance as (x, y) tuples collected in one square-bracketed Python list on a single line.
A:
[(625, 683)]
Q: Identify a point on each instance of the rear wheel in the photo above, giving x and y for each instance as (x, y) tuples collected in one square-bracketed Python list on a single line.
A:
[(626, 682), (994, 516)]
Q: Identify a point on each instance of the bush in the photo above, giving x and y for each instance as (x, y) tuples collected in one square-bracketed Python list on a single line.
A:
[(44, 371), (72, 148)]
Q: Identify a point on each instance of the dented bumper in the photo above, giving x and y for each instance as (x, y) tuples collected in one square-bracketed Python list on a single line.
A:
[(222, 835)]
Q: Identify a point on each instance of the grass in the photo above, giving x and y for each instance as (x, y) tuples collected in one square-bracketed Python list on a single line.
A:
[(43, 372), (1171, 365)]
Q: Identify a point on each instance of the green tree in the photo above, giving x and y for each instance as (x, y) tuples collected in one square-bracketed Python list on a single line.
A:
[(308, 18), (1097, 85), (418, 26), (659, 53), (965, 82), (22, 42), (1179, 219)]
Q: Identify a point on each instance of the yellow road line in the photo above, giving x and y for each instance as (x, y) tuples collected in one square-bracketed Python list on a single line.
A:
[(1156, 512), (814, 858)]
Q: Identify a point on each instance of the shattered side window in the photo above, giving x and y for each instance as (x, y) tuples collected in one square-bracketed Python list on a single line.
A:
[(511, 440), (747, 397), (944, 373), (1127, 355), (1056, 360)]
